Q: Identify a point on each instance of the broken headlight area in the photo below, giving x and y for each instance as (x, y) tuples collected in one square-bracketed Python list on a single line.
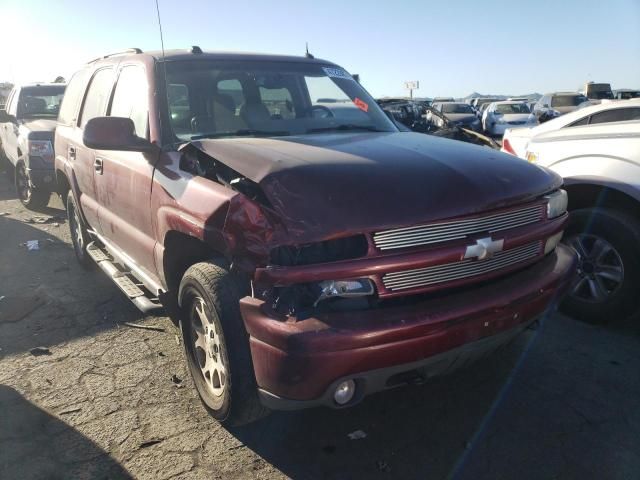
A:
[(304, 300), (320, 252)]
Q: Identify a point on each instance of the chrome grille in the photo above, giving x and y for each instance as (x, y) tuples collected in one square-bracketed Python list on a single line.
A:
[(457, 229), (422, 277)]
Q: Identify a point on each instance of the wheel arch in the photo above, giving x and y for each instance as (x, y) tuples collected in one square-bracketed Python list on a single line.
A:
[(180, 252), (587, 192)]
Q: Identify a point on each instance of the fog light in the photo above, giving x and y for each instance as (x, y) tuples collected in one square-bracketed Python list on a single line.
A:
[(344, 392), (552, 242)]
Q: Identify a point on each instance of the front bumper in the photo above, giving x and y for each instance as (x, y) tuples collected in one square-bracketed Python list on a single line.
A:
[(298, 363)]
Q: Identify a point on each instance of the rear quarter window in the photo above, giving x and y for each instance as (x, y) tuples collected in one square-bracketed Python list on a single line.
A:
[(72, 97), (616, 115), (95, 103)]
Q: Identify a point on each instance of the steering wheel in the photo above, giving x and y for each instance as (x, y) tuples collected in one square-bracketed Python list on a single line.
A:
[(323, 112)]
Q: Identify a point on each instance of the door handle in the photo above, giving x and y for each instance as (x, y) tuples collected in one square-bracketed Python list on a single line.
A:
[(72, 153), (97, 165)]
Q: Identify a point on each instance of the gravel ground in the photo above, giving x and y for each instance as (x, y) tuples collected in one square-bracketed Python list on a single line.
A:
[(84, 396)]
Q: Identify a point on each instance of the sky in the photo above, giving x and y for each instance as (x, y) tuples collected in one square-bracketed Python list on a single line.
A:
[(451, 47)]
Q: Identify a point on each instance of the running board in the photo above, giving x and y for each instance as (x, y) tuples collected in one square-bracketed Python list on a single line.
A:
[(125, 280)]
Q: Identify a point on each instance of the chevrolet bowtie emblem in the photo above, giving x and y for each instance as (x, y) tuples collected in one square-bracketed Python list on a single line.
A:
[(484, 248)]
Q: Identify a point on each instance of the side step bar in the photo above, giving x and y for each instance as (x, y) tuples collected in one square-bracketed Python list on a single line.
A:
[(125, 280)]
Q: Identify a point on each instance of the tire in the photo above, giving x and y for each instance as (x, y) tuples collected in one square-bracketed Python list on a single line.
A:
[(31, 197), (216, 344), (608, 246), (79, 235)]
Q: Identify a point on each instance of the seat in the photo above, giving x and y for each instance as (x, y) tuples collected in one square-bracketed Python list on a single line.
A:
[(254, 112), (224, 114), (32, 105)]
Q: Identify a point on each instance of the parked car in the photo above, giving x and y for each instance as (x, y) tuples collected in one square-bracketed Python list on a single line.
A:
[(311, 256), (600, 164), (407, 112), (552, 105), (478, 102), (597, 91), (26, 135), (458, 113), (515, 140), (499, 116), (626, 94), (442, 99)]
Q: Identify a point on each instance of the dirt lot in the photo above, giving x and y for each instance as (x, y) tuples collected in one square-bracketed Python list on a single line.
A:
[(560, 402)]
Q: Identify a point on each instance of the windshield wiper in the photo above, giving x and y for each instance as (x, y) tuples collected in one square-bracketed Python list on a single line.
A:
[(242, 133), (346, 127)]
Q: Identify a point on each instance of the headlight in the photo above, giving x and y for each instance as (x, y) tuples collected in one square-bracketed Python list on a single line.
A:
[(556, 203), (532, 157), (360, 287), (40, 148), (500, 121)]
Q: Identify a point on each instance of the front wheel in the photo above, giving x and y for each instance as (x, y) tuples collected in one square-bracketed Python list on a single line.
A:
[(216, 344), (31, 197), (608, 246)]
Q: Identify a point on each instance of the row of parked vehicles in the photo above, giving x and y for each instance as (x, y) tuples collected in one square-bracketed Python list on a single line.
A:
[(311, 249)]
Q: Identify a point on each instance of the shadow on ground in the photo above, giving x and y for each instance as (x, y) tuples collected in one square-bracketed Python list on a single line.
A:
[(48, 298), (35, 445)]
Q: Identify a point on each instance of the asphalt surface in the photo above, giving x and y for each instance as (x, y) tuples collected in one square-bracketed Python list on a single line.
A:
[(84, 396)]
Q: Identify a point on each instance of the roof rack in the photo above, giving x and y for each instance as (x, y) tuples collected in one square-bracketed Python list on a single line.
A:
[(123, 52)]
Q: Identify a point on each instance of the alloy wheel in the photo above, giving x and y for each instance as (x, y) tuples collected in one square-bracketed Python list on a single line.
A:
[(600, 268), (208, 348)]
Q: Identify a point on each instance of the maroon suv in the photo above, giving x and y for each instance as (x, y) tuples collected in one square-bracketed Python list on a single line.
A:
[(312, 253)]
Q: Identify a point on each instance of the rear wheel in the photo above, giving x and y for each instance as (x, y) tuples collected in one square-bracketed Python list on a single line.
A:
[(216, 344), (608, 247), (79, 234), (30, 197)]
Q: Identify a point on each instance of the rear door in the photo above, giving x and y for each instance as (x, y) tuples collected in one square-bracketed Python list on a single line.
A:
[(123, 181), (94, 105)]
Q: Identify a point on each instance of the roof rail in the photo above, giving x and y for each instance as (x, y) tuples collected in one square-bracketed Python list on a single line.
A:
[(123, 52)]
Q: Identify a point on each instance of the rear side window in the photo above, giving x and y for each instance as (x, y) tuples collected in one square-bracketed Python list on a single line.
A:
[(72, 97), (130, 98), (95, 103), (582, 121), (616, 115)]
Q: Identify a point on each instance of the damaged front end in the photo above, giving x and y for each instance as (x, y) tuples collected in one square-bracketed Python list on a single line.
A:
[(256, 238)]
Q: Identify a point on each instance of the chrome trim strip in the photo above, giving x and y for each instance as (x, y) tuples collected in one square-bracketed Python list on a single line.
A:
[(465, 268), (457, 229)]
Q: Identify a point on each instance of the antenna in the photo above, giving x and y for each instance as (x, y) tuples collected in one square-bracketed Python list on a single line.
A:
[(164, 63), (307, 54)]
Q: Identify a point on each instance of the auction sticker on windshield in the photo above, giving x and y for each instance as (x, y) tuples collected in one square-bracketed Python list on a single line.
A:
[(337, 73), (361, 104)]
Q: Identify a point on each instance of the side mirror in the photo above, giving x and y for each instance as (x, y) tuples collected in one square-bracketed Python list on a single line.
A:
[(114, 133), (5, 117)]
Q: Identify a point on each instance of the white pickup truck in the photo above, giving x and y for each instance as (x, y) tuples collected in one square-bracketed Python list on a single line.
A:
[(600, 164), (27, 124)]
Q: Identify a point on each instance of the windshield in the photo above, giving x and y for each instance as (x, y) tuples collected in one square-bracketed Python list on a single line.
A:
[(43, 101), (456, 108), (265, 98), (508, 108), (567, 100)]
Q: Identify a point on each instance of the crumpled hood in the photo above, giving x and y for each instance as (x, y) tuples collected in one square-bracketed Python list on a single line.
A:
[(325, 185)]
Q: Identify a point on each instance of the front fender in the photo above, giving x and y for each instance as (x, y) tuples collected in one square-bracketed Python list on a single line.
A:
[(607, 171)]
